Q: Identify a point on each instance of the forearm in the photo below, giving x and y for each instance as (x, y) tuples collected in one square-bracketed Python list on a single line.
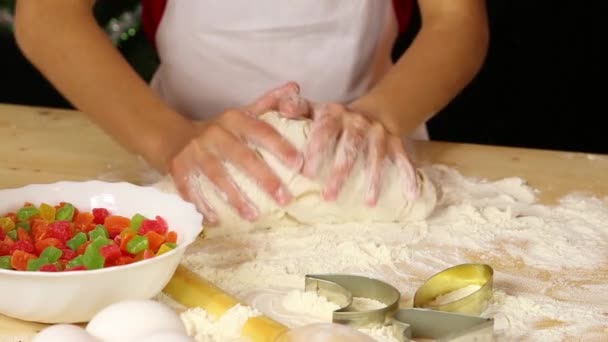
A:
[(62, 39), (438, 65)]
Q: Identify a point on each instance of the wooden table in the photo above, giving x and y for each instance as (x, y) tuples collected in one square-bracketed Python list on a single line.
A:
[(45, 145)]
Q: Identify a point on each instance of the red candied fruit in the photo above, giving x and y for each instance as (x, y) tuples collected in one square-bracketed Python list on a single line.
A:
[(2, 234), (5, 249), (100, 215), (23, 245), (60, 230), (76, 268), (68, 254), (110, 252), (156, 226), (49, 268)]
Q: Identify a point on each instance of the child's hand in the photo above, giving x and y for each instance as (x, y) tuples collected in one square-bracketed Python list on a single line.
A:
[(348, 133), (225, 139)]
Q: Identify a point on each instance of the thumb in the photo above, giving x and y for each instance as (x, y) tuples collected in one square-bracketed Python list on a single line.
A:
[(285, 99)]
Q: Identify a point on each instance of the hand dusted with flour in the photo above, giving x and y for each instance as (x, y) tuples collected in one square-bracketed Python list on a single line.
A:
[(308, 206)]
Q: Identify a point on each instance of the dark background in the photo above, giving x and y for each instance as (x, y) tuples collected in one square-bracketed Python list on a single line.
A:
[(542, 86)]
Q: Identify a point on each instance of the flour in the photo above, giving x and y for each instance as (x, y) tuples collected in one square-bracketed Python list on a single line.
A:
[(205, 328), (454, 295), (550, 262), (309, 303), (364, 304)]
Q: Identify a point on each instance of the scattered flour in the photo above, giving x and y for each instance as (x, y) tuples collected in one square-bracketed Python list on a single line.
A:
[(364, 304), (310, 304), (550, 262), (205, 328), (454, 295)]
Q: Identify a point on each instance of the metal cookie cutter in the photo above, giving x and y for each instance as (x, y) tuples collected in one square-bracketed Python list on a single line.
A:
[(441, 326), (478, 277), (341, 288), (456, 325)]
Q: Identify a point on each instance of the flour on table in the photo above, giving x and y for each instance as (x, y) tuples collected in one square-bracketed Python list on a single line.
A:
[(203, 327), (307, 206), (550, 262)]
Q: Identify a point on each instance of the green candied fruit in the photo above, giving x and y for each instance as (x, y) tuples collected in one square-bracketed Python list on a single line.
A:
[(12, 234), (51, 253), (77, 261), (137, 244), (92, 258), (5, 262), (35, 264), (99, 242), (25, 225), (26, 213), (77, 241), (136, 222), (65, 213), (100, 230)]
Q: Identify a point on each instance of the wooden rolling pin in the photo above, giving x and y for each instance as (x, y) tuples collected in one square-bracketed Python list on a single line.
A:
[(190, 290)]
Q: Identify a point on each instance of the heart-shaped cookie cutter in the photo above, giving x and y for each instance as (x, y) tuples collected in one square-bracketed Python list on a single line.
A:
[(451, 321)]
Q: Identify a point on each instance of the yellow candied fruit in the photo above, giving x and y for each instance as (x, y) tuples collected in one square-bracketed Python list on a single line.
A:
[(47, 212), (163, 249), (7, 224)]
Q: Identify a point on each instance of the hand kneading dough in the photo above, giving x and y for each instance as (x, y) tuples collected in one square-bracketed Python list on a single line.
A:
[(308, 207)]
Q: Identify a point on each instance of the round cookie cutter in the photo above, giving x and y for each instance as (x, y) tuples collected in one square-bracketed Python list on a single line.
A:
[(447, 282)]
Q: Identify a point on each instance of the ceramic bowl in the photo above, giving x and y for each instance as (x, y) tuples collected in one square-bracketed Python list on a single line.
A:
[(71, 297)]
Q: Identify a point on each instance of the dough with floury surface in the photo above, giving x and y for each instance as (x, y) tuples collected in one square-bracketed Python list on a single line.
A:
[(308, 206)]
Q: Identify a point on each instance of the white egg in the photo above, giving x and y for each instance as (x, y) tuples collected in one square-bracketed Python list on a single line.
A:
[(63, 333), (132, 319), (167, 336)]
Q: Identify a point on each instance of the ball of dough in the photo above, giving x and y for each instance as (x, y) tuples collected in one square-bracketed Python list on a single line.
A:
[(324, 332), (308, 206)]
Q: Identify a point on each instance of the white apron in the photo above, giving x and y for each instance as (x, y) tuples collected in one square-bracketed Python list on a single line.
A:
[(218, 54)]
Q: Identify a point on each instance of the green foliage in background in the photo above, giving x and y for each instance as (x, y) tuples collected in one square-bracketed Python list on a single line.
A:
[(121, 20)]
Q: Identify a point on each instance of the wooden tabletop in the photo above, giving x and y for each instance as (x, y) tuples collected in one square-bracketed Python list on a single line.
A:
[(42, 145)]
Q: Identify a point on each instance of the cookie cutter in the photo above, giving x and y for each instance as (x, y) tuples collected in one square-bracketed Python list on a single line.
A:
[(450, 321), (341, 288), (441, 326), (454, 279)]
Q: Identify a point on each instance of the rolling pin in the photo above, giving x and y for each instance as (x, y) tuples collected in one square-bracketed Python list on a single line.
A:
[(190, 290)]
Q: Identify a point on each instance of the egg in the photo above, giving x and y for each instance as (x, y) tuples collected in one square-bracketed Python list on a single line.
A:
[(167, 336), (64, 333), (133, 319)]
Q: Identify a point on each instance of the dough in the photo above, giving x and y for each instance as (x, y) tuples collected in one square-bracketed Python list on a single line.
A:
[(308, 207)]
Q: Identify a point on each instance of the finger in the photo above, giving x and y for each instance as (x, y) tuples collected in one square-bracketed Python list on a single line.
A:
[(185, 180), (292, 105), (404, 167), (272, 99), (251, 164), (265, 136), (217, 175), (350, 144), (376, 157), (195, 192), (324, 132)]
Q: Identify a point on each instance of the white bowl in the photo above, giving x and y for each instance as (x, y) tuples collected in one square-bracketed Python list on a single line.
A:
[(71, 297)]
